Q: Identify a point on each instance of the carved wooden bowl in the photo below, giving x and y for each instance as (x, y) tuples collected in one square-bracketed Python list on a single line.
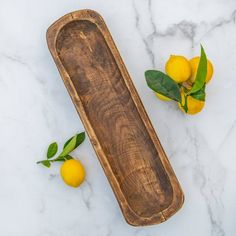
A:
[(122, 135)]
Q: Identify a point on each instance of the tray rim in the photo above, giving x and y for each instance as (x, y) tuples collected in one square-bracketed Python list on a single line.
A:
[(130, 216)]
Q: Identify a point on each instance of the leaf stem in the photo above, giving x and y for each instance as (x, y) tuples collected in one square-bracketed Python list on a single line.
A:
[(59, 158)]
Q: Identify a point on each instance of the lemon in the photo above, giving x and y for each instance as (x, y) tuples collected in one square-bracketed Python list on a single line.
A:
[(194, 65), (178, 68), (162, 97), (72, 172), (194, 105)]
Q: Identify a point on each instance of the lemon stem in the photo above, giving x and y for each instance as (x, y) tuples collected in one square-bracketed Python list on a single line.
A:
[(185, 105)]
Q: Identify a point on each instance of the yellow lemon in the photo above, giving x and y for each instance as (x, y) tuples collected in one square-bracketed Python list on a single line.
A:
[(194, 105), (194, 65), (162, 97), (72, 172), (178, 68)]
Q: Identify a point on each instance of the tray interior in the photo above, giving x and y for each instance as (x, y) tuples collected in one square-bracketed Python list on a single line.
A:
[(114, 117)]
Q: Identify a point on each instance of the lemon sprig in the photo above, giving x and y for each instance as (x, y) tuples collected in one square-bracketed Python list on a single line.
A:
[(165, 85), (69, 146)]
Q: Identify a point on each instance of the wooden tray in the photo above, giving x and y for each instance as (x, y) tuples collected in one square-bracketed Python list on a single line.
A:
[(122, 135)]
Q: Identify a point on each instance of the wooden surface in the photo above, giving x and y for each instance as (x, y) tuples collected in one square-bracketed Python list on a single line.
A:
[(114, 117)]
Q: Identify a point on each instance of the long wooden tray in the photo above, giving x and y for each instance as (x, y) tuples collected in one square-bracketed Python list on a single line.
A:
[(122, 135)]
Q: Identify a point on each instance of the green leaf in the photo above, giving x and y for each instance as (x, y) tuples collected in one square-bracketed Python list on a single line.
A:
[(52, 150), (45, 163), (163, 84), (201, 73), (200, 94), (79, 139), (71, 145)]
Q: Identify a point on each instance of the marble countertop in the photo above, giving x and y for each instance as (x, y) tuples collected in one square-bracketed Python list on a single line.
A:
[(36, 109)]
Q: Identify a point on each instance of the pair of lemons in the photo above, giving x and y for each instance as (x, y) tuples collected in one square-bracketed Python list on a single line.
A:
[(184, 71)]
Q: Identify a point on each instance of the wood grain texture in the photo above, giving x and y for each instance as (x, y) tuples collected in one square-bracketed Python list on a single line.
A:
[(121, 133)]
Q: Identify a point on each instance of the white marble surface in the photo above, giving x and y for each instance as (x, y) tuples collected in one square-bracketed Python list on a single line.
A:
[(36, 109)]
